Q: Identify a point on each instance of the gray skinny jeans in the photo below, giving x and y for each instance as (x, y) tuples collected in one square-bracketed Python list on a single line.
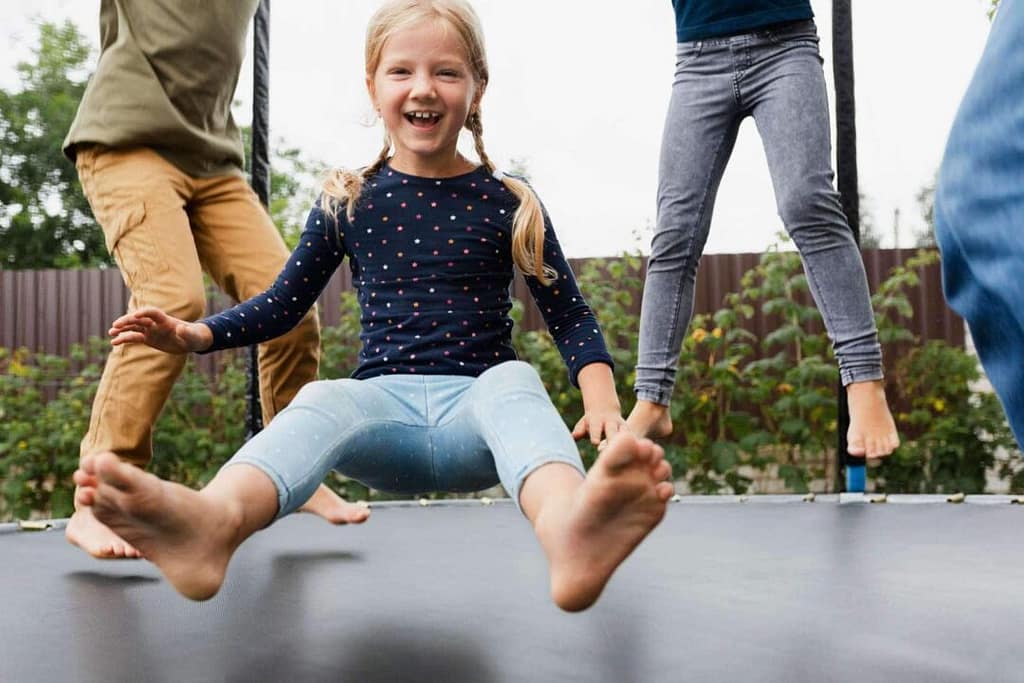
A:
[(775, 76)]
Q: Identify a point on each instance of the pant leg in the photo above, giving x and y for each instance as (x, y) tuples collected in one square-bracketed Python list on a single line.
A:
[(374, 431), (504, 423), (700, 132), (243, 252), (785, 87), (979, 211), (138, 199)]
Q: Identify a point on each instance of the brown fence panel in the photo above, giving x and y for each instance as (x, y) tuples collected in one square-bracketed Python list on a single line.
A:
[(49, 310)]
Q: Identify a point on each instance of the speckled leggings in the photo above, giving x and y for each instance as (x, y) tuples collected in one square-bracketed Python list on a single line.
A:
[(413, 433)]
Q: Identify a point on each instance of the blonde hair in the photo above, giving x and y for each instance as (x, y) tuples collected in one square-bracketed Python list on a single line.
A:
[(346, 186)]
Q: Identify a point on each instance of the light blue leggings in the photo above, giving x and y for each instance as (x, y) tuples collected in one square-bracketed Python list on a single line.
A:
[(413, 433)]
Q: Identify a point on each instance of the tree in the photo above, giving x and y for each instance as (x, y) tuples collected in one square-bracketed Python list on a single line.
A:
[(45, 220), (294, 185), (869, 237), (926, 203)]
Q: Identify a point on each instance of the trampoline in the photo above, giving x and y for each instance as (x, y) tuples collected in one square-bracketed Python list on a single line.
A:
[(765, 589)]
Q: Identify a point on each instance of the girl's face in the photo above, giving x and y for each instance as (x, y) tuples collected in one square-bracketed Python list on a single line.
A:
[(424, 90)]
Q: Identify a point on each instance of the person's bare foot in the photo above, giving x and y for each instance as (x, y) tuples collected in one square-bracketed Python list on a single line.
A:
[(189, 538), (96, 538), (650, 420), (328, 505), (622, 499), (872, 432)]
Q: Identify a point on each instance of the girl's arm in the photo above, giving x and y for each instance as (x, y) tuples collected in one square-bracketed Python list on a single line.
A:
[(265, 316), (579, 340)]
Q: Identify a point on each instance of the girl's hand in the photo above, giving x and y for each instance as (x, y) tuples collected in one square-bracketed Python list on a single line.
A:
[(602, 414), (153, 327), (599, 424)]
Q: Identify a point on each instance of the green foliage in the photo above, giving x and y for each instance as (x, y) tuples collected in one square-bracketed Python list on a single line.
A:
[(743, 407), (45, 220), (45, 402), (294, 185)]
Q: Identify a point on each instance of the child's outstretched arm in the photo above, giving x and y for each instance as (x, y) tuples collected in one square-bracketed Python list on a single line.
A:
[(153, 327), (602, 413), (265, 316)]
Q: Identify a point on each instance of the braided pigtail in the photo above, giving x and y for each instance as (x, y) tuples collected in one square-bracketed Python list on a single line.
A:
[(528, 222)]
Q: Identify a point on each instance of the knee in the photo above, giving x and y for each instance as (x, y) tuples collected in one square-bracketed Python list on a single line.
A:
[(323, 392), (190, 304), (814, 216), (509, 377)]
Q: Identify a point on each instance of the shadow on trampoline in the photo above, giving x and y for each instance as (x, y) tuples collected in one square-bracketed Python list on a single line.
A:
[(388, 652), (296, 561), (97, 579)]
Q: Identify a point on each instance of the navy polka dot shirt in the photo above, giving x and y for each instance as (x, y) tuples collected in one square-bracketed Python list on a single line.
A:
[(431, 261)]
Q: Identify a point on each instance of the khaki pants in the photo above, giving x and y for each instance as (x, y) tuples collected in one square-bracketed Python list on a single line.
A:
[(164, 228)]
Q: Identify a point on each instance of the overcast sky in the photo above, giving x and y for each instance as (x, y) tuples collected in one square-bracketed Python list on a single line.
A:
[(581, 96)]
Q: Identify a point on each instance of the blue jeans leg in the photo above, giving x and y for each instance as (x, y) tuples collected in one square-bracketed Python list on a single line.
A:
[(776, 77), (979, 211)]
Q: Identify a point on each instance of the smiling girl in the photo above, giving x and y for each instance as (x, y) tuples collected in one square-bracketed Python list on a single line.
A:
[(438, 401)]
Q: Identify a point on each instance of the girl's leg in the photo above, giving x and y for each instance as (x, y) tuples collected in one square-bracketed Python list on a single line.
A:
[(700, 131), (192, 535), (786, 89), (586, 523), (243, 252)]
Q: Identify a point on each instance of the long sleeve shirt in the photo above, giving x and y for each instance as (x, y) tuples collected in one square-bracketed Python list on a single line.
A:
[(431, 261)]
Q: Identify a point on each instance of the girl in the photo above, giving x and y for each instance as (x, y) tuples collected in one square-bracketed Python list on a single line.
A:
[(438, 401), (755, 58)]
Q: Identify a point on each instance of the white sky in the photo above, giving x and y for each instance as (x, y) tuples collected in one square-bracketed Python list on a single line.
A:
[(581, 96)]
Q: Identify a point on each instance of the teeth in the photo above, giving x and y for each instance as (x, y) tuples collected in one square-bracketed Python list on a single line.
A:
[(424, 115)]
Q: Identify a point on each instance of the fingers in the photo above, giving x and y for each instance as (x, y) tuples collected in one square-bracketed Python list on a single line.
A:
[(127, 338), (581, 429)]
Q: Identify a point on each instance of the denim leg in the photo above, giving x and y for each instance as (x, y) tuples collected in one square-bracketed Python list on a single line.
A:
[(373, 434), (785, 89), (700, 132), (979, 211), (509, 411)]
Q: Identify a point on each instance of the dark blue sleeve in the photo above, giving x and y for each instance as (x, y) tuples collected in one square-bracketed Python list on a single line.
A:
[(280, 308), (569, 319)]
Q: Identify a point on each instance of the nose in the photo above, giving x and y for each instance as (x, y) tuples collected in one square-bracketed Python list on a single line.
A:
[(422, 86)]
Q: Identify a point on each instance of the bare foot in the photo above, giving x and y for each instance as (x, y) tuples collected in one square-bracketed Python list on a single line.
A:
[(95, 538), (650, 420), (328, 505), (872, 432), (622, 499), (187, 536)]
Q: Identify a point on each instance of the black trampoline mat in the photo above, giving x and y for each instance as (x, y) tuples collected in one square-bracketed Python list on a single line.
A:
[(720, 592)]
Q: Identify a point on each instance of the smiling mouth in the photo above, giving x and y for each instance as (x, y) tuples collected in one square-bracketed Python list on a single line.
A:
[(422, 119)]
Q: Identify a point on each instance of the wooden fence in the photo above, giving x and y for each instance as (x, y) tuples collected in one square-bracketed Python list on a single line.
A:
[(50, 310)]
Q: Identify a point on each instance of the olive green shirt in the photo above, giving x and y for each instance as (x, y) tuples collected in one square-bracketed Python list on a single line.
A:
[(165, 80)]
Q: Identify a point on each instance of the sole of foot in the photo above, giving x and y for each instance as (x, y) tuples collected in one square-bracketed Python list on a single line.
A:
[(189, 538), (621, 500)]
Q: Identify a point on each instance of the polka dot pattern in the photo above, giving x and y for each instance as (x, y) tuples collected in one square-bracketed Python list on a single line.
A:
[(431, 262)]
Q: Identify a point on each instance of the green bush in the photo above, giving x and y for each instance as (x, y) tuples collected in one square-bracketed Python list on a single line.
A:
[(741, 405)]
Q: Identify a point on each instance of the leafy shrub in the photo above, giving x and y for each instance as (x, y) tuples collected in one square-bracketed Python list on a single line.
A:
[(742, 405)]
